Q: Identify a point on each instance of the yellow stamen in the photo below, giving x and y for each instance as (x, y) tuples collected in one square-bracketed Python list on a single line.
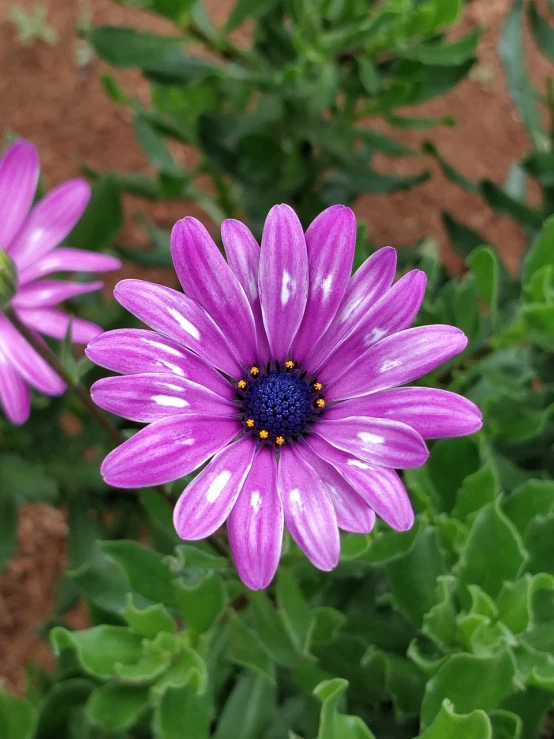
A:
[(250, 423), (254, 371), (241, 384), (280, 440), (320, 403), (263, 434), (289, 364), (318, 386)]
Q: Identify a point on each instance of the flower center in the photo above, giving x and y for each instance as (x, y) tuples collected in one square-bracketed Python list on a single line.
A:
[(279, 404)]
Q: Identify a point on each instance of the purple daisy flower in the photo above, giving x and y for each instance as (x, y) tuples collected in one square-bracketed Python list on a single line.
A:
[(283, 369), (27, 253)]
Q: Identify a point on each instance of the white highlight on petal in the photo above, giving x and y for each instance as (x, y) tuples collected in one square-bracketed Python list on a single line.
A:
[(369, 439), (169, 401), (350, 308), (184, 323), (389, 364), (295, 496), (252, 286), (326, 285), (173, 367), (188, 442), (256, 501), (287, 286), (374, 336), (170, 386), (356, 463), (217, 485), (162, 347)]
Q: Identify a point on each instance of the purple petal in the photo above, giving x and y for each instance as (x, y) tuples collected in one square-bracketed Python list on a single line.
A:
[(353, 513), (398, 359), (255, 524), (283, 278), (330, 242), (66, 259), (180, 319), (147, 398), (243, 255), (434, 414), (23, 358), (393, 312), (367, 285), (19, 172), (207, 278), (47, 293), (50, 221), (207, 501), (134, 351), (309, 513), (381, 488), (167, 450), (379, 441), (15, 398), (55, 323)]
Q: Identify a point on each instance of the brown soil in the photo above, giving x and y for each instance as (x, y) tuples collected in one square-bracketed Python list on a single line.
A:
[(63, 109)]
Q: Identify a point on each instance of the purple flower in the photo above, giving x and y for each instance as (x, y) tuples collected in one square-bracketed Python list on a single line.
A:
[(27, 252), (283, 369)]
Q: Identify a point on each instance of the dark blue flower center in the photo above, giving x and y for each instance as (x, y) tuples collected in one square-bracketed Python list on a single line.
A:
[(279, 403)]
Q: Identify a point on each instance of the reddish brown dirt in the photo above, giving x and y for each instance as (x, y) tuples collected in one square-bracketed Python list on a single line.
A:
[(45, 97)]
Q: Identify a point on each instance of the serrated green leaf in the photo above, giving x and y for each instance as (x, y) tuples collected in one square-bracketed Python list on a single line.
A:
[(101, 648), (295, 612), (145, 568), (271, 631), (187, 667), (534, 498), (505, 725), (201, 604), (148, 621), (413, 577), (332, 724), (116, 707), (470, 683), (439, 623), (493, 553), (450, 725), (476, 491), (18, 717), (538, 540)]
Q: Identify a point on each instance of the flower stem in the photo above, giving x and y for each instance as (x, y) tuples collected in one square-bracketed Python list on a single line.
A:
[(74, 385)]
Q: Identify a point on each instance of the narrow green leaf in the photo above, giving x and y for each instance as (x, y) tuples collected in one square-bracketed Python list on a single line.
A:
[(464, 240), (246, 9), (500, 201), (250, 706), (103, 218), (8, 526), (448, 170), (484, 264), (543, 33), (512, 55), (125, 47), (155, 147), (541, 252), (443, 54), (247, 650), (295, 612)]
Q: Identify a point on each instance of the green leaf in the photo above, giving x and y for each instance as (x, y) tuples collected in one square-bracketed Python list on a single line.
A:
[(192, 557), (271, 630), (440, 622), (534, 498), (187, 667), (464, 240), (413, 577), (125, 47), (450, 725), (470, 683), (443, 54), (477, 490), (543, 33), (541, 252), (450, 462), (145, 568), (250, 706), (512, 55), (26, 480), (493, 553), (247, 650), (201, 604), (504, 204), (295, 612), (540, 165), (484, 264), (148, 621), (101, 648), (116, 707), (103, 218), (332, 724), (448, 170), (155, 147), (417, 124), (378, 142), (505, 725), (18, 717), (8, 526), (182, 712), (59, 706), (538, 540), (246, 9)]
